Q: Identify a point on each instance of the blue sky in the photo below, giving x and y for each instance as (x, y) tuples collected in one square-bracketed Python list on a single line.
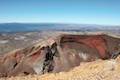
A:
[(105, 12)]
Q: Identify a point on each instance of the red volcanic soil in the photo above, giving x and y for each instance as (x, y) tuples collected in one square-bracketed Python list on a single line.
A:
[(60, 54)]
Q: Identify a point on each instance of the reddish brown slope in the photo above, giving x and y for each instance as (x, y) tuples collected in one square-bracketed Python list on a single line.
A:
[(61, 54)]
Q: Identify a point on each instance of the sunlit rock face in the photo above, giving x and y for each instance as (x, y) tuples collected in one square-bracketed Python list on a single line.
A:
[(59, 54)]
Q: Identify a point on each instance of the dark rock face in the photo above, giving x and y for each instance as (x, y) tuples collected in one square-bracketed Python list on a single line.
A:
[(60, 54)]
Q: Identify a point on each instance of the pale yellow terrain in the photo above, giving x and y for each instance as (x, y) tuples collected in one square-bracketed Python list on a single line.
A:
[(97, 70)]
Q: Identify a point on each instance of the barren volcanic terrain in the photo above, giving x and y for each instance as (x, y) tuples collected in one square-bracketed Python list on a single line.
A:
[(61, 53), (96, 70)]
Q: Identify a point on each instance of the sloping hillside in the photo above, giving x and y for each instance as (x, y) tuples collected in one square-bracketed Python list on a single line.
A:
[(96, 70), (61, 54)]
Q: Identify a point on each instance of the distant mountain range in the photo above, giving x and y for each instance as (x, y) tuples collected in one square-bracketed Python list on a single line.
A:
[(21, 27)]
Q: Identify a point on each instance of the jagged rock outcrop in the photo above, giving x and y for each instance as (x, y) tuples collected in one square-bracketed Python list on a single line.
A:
[(59, 54)]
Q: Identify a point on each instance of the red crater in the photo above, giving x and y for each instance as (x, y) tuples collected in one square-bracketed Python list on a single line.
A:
[(61, 54)]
